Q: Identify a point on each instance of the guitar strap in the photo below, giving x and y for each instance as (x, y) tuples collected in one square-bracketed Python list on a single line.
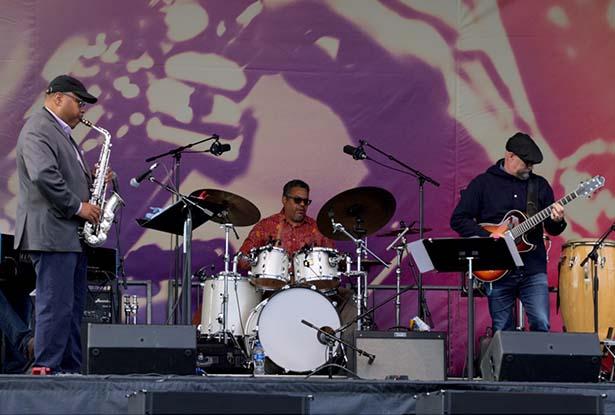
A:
[(532, 205)]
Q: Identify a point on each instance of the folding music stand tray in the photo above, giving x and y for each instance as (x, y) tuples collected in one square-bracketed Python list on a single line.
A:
[(466, 255), (181, 218)]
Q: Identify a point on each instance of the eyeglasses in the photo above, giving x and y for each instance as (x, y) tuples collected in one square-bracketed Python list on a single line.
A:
[(298, 200), (80, 102)]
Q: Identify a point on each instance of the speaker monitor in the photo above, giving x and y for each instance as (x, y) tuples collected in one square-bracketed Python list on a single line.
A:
[(415, 355), (546, 357), (125, 349), (489, 402)]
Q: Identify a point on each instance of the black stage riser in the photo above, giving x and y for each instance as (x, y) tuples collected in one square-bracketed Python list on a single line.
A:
[(159, 403), (483, 402)]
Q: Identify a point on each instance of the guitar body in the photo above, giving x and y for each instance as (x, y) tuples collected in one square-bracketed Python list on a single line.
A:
[(511, 220)]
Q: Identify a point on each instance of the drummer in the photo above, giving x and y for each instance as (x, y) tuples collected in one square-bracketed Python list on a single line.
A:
[(290, 229)]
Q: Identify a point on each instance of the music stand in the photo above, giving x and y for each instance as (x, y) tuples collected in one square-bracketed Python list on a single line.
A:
[(466, 255), (181, 218)]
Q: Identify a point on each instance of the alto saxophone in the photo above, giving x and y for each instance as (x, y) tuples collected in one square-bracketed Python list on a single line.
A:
[(96, 234)]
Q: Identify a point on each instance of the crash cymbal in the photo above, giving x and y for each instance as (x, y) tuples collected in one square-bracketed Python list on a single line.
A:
[(395, 232), (236, 209), (362, 210)]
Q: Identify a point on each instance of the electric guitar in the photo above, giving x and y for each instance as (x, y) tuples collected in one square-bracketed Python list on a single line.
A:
[(518, 224)]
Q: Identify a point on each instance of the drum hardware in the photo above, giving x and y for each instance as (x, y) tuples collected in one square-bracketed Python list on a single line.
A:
[(593, 256), (131, 307), (400, 247), (361, 275), (351, 208)]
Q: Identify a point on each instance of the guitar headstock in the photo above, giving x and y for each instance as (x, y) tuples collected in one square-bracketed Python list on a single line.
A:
[(586, 188)]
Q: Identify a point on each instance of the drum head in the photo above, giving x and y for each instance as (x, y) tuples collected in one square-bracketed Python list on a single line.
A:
[(289, 343)]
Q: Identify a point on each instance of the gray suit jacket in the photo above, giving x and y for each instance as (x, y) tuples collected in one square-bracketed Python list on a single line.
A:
[(52, 184)]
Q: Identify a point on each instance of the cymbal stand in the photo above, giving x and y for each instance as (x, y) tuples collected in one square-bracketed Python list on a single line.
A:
[(227, 259), (360, 250), (400, 248)]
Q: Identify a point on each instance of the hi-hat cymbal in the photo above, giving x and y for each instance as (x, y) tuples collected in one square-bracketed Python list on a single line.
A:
[(395, 232), (362, 210), (235, 209)]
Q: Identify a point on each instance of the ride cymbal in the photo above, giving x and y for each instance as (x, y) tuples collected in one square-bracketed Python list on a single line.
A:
[(362, 210), (236, 209)]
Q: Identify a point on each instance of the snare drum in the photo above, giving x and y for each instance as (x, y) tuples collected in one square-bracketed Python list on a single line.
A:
[(290, 344), (270, 268), (242, 298), (576, 286), (317, 266)]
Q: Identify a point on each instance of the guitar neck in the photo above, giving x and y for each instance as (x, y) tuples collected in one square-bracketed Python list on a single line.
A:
[(532, 221)]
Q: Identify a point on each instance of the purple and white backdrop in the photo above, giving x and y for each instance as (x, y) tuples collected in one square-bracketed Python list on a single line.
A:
[(288, 83)]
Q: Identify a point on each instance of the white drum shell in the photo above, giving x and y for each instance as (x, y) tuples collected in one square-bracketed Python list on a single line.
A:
[(242, 298), (290, 344), (317, 266), (270, 269)]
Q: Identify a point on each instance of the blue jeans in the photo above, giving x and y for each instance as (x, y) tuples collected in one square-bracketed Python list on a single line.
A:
[(534, 294), (15, 314), (61, 288)]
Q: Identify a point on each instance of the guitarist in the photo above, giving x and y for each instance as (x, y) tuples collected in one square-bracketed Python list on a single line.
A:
[(487, 199)]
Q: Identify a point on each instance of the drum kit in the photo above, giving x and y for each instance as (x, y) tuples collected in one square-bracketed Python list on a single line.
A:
[(297, 307)]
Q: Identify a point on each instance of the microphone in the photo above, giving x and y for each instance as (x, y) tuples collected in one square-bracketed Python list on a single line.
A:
[(322, 338), (357, 153), (217, 149), (136, 181)]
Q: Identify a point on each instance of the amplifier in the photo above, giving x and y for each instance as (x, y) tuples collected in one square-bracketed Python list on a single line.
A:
[(400, 354), (214, 356)]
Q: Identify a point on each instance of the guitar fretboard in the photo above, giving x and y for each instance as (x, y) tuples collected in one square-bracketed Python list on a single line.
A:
[(532, 221)]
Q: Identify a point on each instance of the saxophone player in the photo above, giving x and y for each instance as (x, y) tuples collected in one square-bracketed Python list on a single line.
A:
[(54, 189)]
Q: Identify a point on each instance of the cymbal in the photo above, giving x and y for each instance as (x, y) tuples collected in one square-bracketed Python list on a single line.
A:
[(236, 209), (362, 211), (395, 232)]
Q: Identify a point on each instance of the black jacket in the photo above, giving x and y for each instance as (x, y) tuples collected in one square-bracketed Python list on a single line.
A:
[(491, 195)]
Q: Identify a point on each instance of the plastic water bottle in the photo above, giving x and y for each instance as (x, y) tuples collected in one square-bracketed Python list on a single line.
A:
[(258, 358)]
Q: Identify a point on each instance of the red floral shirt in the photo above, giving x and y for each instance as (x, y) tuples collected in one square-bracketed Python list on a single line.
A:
[(291, 237)]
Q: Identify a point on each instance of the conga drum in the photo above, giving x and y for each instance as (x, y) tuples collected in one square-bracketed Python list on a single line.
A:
[(576, 286)]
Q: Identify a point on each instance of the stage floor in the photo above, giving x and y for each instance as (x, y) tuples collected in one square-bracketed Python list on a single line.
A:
[(20, 394)]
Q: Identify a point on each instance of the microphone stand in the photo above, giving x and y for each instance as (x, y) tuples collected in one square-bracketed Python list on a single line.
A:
[(331, 339), (593, 255), (187, 251), (177, 155), (422, 178)]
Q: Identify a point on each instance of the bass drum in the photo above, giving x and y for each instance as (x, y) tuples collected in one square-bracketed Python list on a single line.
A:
[(242, 298), (576, 287), (287, 342)]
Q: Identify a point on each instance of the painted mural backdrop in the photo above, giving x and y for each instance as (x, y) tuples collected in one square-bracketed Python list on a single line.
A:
[(438, 84)]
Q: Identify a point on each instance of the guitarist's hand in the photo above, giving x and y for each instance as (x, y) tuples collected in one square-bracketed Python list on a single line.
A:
[(495, 235), (557, 212)]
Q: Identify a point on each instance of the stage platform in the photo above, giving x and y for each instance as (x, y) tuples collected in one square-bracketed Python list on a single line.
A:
[(94, 394)]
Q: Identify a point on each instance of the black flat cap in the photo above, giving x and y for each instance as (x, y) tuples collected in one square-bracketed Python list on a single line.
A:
[(525, 148), (65, 83)]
